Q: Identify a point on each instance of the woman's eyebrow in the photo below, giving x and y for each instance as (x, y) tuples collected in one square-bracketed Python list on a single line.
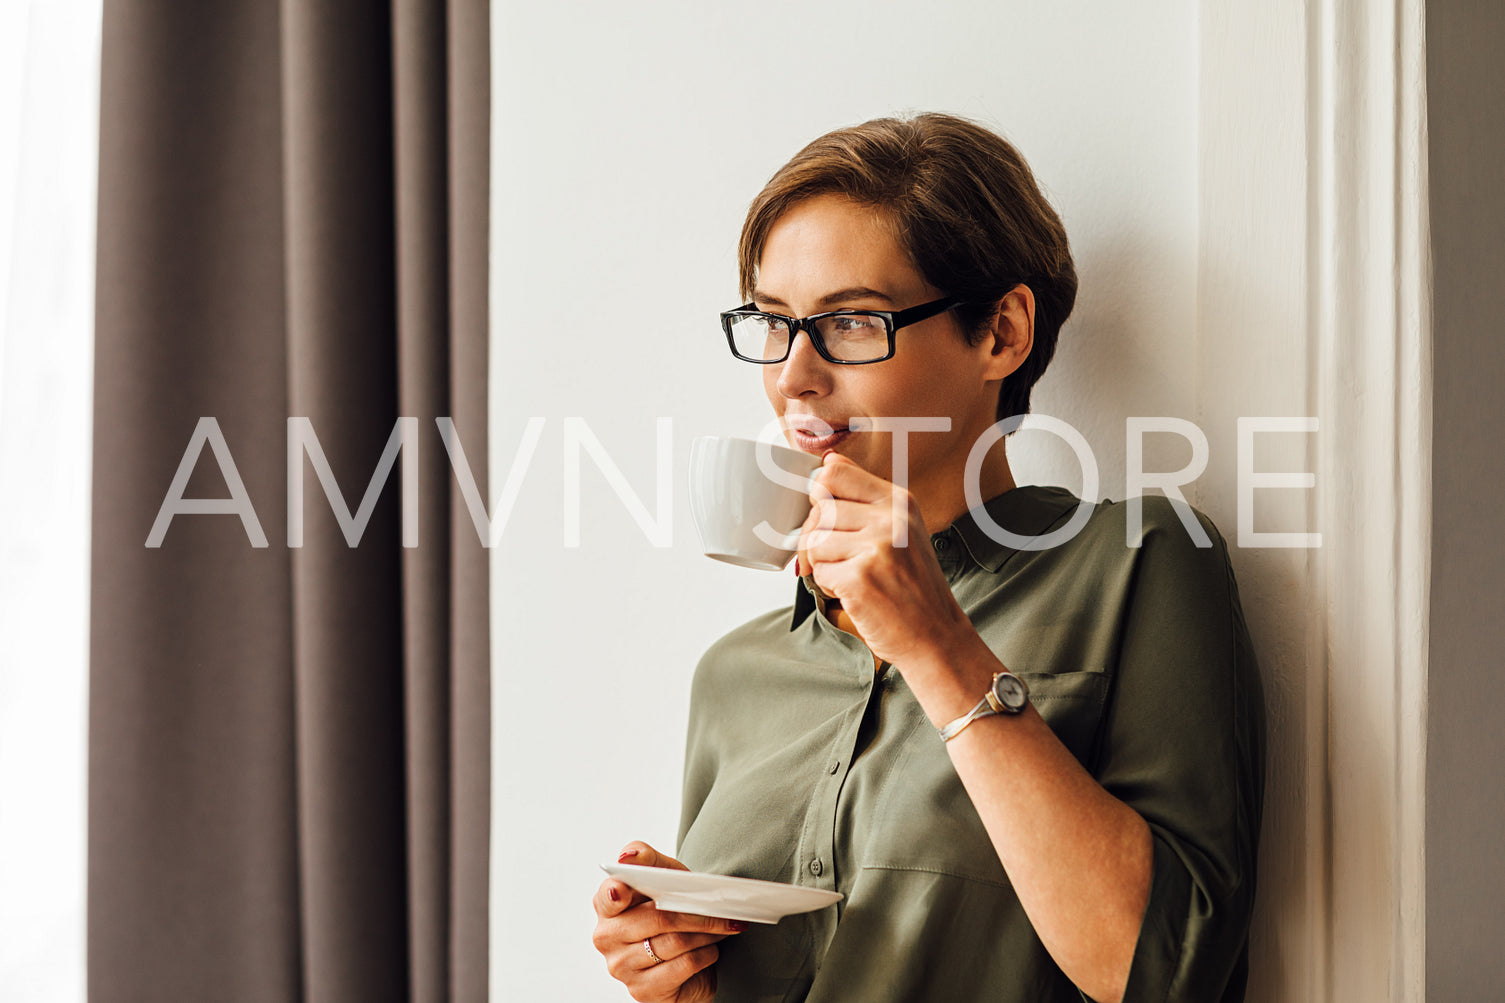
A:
[(853, 293)]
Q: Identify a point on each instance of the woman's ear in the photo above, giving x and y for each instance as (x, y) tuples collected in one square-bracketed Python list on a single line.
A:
[(1011, 334)]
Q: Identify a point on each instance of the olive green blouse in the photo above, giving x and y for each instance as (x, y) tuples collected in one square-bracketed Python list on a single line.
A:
[(805, 766)]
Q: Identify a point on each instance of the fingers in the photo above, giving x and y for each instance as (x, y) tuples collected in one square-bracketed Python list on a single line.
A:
[(639, 852), (671, 979), (842, 498), (614, 897), (838, 514), (646, 920), (828, 514), (836, 530), (668, 946), (683, 944), (844, 478)]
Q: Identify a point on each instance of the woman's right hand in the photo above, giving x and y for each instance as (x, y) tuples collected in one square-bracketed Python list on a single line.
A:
[(684, 944)]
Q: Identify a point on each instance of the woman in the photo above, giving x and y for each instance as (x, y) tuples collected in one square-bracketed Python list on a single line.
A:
[(1095, 838)]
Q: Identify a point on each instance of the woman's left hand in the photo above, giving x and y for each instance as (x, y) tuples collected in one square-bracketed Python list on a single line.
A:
[(897, 596)]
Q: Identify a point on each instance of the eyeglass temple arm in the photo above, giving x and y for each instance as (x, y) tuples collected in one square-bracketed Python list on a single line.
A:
[(915, 314)]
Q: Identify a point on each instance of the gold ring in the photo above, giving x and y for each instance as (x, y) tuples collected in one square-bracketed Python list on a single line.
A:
[(648, 946)]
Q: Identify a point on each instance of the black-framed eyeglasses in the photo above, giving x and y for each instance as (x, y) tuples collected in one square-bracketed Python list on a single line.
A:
[(845, 337)]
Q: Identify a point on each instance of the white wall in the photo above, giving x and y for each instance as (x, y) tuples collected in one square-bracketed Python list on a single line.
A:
[(49, 94), (627, 143)]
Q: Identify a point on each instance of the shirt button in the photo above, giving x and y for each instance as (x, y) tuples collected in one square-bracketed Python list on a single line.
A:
[(941, 544), (816, 867), (833, 766)]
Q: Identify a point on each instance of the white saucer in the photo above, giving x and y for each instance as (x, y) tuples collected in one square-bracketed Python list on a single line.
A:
[(719, 895)]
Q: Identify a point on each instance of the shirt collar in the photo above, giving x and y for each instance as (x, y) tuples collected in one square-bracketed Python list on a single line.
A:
[(804, 602), (1030, 510), (1025, 511)]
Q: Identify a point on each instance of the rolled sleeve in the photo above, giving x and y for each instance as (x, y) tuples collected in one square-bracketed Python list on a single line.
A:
[(1183, 744)]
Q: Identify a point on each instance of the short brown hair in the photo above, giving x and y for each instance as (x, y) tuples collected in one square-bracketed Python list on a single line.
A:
[(962, 202)]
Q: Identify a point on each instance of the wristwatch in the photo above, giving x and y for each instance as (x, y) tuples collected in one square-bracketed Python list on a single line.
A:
[(1007, 695)]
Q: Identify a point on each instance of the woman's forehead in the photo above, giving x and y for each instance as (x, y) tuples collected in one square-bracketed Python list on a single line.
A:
[(829, 245)]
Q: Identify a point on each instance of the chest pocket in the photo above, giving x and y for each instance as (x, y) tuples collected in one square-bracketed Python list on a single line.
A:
[(1072, 704), (924, 819)]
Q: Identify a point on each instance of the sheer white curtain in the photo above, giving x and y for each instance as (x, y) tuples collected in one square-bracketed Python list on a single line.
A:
[(49, 88)]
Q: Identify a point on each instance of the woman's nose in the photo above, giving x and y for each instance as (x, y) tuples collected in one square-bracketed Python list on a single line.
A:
[(804, 372)]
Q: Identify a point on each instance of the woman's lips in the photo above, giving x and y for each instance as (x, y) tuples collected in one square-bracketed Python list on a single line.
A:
[(810, 442)]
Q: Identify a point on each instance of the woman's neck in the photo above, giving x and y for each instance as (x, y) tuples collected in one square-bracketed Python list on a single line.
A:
[(944, 502)]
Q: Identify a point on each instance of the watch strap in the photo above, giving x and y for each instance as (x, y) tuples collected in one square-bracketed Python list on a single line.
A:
[(984, 708)]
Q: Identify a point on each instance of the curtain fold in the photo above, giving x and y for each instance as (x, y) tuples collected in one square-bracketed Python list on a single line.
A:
[(289, 746)]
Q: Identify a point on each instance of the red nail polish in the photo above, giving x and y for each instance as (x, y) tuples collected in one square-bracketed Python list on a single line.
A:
[(626, 855), (613, 893), (738, 926)]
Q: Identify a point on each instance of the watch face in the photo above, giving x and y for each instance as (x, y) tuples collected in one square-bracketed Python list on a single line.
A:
[(1011, 692)]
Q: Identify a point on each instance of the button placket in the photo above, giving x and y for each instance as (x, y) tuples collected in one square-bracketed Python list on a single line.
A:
[(818, 853), (949, 554)]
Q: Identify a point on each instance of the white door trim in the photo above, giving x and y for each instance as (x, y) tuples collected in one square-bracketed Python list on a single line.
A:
[(1372, 322)]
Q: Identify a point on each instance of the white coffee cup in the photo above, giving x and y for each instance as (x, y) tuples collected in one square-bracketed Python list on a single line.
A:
[(749, 499)]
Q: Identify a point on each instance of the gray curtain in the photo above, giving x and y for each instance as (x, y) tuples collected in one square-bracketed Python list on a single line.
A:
[(288, 764)]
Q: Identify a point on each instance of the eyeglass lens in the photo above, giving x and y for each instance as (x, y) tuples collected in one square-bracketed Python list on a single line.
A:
[(849, 337)]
